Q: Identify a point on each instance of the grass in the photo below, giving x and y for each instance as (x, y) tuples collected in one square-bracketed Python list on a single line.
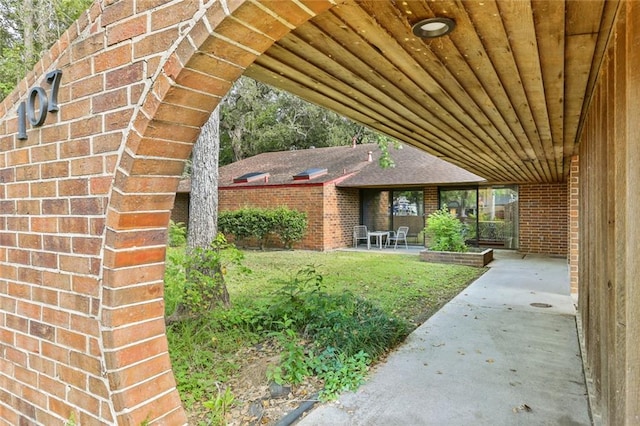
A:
[(370, 299), (401, 285)]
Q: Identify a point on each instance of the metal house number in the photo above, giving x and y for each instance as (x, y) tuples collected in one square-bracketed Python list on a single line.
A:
[(27, 110)]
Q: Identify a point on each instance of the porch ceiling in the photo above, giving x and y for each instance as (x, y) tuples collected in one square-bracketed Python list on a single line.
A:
[(504, 95)]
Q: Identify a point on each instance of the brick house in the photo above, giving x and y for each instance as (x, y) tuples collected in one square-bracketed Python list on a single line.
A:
[(340, 187)]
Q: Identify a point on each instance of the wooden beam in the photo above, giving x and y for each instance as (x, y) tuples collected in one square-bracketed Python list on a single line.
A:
[(549, 22)]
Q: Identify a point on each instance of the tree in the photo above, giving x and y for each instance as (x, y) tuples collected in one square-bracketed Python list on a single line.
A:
[(205, 272), (257, 118), (28, 28), (203, 206)]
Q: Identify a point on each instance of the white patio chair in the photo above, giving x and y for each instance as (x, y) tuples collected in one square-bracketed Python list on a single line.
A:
[(399, 235), (360, 232)]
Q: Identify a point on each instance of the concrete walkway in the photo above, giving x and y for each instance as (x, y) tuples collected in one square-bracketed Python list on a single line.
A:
[(494, 355)]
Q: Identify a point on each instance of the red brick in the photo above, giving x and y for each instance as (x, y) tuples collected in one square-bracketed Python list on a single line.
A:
[(113, 58), (126, 29)]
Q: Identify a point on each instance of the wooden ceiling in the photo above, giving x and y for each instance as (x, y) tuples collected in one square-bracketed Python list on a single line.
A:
[(502, 96)]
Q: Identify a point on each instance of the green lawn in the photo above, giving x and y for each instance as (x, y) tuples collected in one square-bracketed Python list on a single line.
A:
[(400, 284), (333, 334)]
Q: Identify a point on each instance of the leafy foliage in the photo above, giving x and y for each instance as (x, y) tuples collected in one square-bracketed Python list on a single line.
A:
[(177, 234), (339, 372), (204, 275), (299, 311), (257, 118), (26, 32), (346, 331), (196, 277), (219, 406), (202, 351), (289, 225), (445, 232)]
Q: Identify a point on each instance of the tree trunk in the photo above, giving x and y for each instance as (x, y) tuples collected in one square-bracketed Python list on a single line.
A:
[(203, 206), (28, 25)]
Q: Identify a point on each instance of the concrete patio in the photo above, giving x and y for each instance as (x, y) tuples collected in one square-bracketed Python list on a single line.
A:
[(503, 352)]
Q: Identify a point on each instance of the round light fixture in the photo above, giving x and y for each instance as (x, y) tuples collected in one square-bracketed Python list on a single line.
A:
[(433, 27)]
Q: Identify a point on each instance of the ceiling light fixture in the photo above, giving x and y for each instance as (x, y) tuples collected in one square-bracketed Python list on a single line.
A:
[(433, 27)]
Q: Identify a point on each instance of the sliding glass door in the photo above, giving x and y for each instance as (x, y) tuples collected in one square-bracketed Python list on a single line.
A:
[(387, 210), (489, 213), (407, 209), (463, 203)]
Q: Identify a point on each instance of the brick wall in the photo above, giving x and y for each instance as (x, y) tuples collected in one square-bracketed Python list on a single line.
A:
[(180, 211), (304, 198), (543, 218), (85, 202), (341, 214), (543, 222), (430, 199)]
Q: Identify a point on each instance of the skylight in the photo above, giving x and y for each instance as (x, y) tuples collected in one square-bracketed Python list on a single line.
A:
[(251, 177), (310, 174)]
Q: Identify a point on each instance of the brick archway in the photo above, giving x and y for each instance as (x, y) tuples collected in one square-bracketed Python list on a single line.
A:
[(85, 202)]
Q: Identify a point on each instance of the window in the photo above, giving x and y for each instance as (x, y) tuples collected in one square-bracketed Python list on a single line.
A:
[(251, 177), (310, 174), (489, 213)]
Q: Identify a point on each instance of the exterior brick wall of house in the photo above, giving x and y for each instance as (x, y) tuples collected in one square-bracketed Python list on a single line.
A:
[(543, 218), (180, 212), (332, 213), (304, 198), (574, 228), (430, 200), (341, 214), (543, 223)]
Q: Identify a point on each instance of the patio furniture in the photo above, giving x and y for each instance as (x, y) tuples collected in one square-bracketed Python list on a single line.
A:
[(399, 235), (379, 235), (360, 233)]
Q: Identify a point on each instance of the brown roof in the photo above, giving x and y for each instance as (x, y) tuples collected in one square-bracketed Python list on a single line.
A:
[(413, 167), (348, 166)]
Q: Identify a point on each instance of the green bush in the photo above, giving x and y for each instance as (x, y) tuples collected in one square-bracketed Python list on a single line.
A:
[(177, 234), (445, 232), (347, 333), (251, 222), (289, 225)]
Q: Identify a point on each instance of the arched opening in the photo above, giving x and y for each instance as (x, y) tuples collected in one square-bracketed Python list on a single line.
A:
[(138, 82)]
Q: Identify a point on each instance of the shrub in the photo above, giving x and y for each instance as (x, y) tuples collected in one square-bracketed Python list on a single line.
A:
[(347, 332), (177, 234), (445, 232), (194, 279), (288, 225)]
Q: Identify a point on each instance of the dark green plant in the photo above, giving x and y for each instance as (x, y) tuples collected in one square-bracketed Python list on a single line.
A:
[(252, 222), (445, 232), (340, 373), (177, 234), (289, 225), (219, 406), (294, 364), (346, 331), (174, 278), (203, 352)]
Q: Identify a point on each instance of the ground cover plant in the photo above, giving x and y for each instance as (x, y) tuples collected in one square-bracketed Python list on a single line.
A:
[(320, 319)]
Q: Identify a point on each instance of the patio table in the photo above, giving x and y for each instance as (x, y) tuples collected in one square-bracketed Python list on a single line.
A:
[(379, 235)]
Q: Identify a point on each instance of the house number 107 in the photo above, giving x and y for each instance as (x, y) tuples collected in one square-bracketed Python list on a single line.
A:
[(27, 110)]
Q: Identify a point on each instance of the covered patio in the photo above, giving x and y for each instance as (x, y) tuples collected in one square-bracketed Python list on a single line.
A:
[(540, 94)]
